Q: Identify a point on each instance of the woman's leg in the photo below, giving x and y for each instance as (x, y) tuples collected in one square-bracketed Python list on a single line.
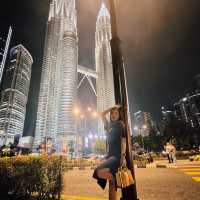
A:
[(105, 174), (112, 191)]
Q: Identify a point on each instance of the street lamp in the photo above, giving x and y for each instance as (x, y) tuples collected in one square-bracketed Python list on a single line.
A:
[(83, 115)]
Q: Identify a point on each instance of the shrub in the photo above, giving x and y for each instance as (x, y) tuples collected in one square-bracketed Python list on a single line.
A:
[(28, 176)]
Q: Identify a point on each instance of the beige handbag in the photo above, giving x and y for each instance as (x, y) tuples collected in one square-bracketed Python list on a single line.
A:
[(124, 177)]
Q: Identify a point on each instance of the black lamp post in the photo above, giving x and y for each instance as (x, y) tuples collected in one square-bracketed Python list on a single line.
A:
[(121, 97)]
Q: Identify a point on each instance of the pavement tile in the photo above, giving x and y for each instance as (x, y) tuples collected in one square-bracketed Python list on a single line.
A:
[(197, 179), (66, 197), (152, 184), (190, 169), (192, 173)]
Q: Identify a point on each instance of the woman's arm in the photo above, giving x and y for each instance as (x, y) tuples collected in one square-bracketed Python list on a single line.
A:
[(103, 117), (105, 112)]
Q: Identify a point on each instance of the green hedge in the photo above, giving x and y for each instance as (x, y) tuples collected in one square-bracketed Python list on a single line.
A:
[(27, 176)]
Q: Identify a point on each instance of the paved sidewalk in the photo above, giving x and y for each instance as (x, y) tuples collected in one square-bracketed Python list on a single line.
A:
[(68, 197), (178, 164), (152, 184)]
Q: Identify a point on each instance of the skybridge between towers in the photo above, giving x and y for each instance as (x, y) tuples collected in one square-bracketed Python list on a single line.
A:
[(87, 74)]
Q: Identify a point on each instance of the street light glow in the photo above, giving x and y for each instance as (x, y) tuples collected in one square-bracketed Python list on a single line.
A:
[(90, 136), (94, 114), (184, 99), (82, 116), (144, 126), (76, 111), (89, 109)]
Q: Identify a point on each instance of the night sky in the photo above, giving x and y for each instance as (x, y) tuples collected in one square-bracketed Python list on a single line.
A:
[(160, 42)]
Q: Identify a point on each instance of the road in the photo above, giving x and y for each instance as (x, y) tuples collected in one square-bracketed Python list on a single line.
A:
[(181, 183)]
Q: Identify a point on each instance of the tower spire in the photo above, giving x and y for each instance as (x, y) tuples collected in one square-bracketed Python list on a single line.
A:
[(103, 11), (52, 10)]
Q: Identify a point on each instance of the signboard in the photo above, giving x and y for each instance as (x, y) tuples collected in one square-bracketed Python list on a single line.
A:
[(26, 142)]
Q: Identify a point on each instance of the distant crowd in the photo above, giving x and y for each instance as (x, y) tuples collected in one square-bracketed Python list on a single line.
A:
[(9, 151)]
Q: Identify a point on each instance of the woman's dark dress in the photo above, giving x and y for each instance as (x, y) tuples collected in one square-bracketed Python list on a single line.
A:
[(115, 132)]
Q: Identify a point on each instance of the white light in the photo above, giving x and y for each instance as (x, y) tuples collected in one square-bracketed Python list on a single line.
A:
[(76, 111), (90, 136), (86, 142), (94, 114), (82, 116), (184, 99), (89, 109), (144, 126), (135, 128)]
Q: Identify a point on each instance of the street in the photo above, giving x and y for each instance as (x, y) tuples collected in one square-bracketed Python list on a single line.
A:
[(181, 183)]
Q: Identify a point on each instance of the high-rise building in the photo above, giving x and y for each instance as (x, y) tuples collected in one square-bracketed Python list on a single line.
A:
[(142, 123), (4, 46), (103, 57), (58, 87), (187, 108), (167, 114), (15, 94)]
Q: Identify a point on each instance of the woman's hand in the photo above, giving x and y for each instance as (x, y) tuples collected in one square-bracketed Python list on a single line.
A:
[(117, 106), (105, 112)]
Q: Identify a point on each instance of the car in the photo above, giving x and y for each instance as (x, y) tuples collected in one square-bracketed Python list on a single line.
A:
[(194, 158)]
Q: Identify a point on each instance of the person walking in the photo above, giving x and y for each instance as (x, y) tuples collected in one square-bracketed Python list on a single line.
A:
[(168, 152), (115, 130), (173, 153)]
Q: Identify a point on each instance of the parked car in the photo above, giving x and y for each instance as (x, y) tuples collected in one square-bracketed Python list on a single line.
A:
[(195, 158)]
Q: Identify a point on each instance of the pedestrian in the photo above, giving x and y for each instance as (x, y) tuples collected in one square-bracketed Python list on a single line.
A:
[(173, 153), (168, 152), (150, 158), (115, 130)]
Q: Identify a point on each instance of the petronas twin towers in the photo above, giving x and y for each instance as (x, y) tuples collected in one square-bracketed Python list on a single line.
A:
[(58, 87)]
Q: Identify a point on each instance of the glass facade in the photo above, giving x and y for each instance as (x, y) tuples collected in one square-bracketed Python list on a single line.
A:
[(15, 93), (58, 87), (103, 57), (188, 110)]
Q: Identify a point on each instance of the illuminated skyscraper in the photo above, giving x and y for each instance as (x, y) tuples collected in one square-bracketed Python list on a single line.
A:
[(4, 46), (58, 85), (105, 84), (15, 94)]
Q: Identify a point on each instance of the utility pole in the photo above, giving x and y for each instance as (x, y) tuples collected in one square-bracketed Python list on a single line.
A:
[(121, 97)]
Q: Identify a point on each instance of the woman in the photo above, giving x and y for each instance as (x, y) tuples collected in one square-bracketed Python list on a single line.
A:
[(116, 146)]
